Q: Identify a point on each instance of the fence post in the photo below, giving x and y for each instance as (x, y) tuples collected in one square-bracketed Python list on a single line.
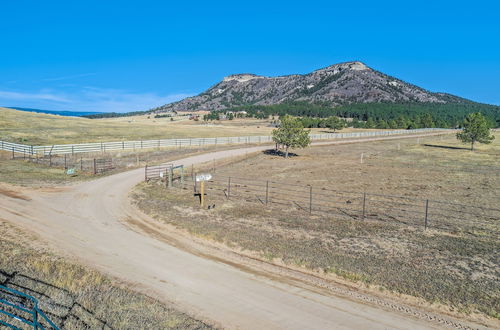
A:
[(170, 177), (146, 173), (81, 164), (426, 213), (214, 165), (95, 167), (13, 153), (267, 192), (72, 150), (310, 199), (364, 204), (50, 160), (182, 176), (228, 187), (194, 182), (65, 163)]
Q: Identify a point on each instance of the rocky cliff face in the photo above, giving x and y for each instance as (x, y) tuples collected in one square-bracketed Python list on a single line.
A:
[(350, 82)]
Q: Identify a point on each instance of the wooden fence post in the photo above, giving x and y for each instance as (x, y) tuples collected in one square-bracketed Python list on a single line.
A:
[(65, 162), (146, 173), (426, 213), (228, 187), (95, 167), (81, 163)]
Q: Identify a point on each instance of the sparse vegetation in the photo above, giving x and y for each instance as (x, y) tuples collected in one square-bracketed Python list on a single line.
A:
[(58, 281), (458, 269)]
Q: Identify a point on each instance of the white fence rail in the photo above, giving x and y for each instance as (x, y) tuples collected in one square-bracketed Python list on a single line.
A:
[(59, 149)]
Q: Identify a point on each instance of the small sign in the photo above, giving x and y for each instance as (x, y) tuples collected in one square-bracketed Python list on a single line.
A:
[(203, 177), (70, 171), (161, 174)]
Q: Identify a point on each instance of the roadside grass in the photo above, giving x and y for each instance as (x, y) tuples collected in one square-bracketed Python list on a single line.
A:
[(28, 173), (77, 296), (457, 269)]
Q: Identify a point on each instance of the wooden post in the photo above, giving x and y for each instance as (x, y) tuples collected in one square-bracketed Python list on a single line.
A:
[(202, 193), (267, 192), (228, 187), (194, 183), (310, 199), (13, 153), (146, 173), (50, 160), (95, 167), (361, 160), (170, 177), (426, 213), (81, 163), (65, 163), (364, 204)]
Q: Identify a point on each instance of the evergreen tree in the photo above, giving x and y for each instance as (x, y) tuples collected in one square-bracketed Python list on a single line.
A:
[(291, 134), (370, 123), (475, 129)]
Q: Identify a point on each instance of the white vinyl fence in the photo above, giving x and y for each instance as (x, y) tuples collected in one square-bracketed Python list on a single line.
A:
[(60, 149)]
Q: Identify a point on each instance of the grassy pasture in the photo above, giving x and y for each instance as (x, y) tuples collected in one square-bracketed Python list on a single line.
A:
[(43, 129), (459, 270)]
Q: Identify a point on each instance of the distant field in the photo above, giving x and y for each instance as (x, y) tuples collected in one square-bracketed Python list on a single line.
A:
[(458, 268), (43, 129)]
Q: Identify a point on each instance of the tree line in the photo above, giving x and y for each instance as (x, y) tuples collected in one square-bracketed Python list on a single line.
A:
[(380, 115)]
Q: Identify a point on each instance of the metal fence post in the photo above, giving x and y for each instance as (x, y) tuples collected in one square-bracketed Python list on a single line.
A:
[(267, 192), (65, 162), (81, 163), (146, 173), (95, 167), (426, 213), (364, 204), (228, 187), (310, 199), (170, 177)]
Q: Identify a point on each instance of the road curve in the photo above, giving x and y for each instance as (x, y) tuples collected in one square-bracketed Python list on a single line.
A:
[(89, 222)]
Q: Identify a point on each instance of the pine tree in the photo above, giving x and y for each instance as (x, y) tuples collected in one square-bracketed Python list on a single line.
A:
[(291, 134), (475, 129)]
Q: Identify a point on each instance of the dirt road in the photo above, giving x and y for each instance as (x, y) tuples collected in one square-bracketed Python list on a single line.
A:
[(90, 221)]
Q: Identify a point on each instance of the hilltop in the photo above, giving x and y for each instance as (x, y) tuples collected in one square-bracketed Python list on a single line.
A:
[(338, 84)]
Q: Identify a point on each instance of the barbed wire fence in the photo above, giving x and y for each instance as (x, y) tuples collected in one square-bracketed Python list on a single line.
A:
[(354, 205)]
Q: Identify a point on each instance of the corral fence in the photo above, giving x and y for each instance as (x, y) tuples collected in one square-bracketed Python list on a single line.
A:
[(73, 163), (314, 200), (165, 172), (60, 149), (18, 309)]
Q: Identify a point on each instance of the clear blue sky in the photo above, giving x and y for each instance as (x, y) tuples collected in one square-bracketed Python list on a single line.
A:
[(134, 55)]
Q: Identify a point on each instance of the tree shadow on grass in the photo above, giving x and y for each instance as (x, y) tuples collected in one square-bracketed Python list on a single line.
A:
[(446, 147), (274, 152), (57, 303)]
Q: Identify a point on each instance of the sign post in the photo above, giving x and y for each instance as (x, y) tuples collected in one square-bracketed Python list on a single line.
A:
[(202, 178)]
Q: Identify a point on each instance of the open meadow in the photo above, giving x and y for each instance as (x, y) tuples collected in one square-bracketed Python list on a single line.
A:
[(454, 262), (43, 129)]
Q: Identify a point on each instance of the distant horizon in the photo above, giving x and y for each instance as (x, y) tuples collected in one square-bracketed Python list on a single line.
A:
[(54, 59)]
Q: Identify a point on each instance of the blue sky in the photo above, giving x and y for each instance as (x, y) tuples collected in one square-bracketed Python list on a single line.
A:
[(134, 55)]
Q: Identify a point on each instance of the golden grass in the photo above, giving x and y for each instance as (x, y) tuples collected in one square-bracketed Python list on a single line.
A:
[(44, 129)]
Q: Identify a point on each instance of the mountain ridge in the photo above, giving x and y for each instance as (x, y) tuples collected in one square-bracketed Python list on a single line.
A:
[(337, 84)]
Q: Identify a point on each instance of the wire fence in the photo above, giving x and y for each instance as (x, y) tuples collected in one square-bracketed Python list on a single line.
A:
[(60, 149), (312, 200)]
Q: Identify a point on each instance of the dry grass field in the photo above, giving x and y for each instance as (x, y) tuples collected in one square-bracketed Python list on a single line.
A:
[(76, 297), (459, 269), (43, 129)]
